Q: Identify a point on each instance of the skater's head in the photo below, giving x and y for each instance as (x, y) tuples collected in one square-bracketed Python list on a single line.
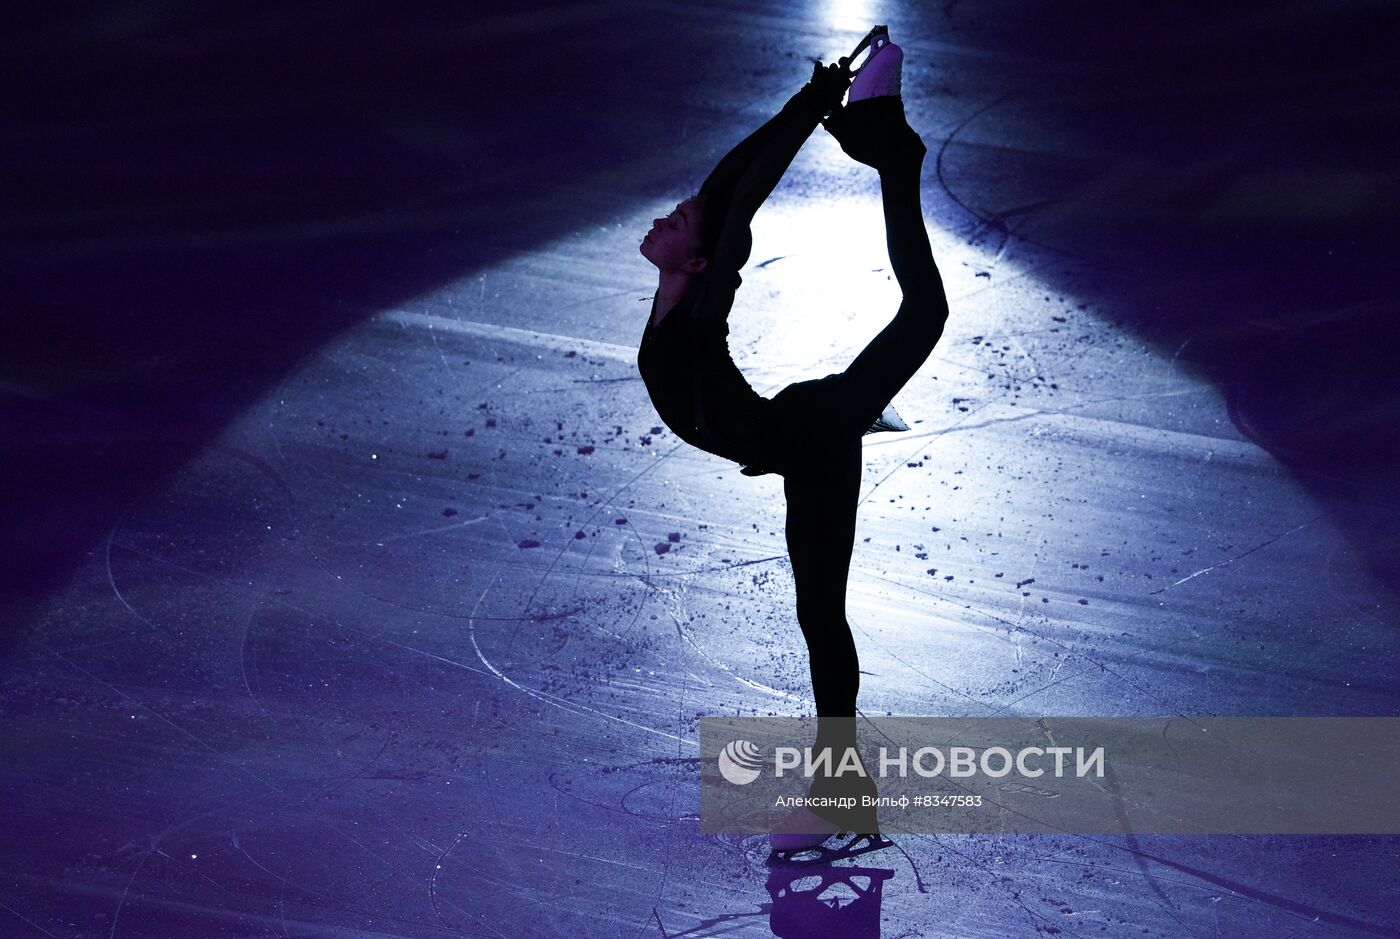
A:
[(681, 241)]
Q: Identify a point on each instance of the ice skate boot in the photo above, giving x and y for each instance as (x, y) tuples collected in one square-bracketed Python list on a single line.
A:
[(879, 75), (871, 126)]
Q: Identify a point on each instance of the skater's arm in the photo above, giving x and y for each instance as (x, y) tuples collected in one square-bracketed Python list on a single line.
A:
[(727, 173), (759, 157), (748, 173)]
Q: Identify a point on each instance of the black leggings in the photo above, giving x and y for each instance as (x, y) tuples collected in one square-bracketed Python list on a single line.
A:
[(821, 423)]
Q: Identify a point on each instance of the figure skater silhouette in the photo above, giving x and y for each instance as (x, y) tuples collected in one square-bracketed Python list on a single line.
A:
[(809, 432)]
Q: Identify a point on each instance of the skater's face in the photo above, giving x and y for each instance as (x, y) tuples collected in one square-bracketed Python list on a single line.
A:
[(673, 243)]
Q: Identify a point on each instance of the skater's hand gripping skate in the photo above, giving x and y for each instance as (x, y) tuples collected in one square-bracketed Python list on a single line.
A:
[(874, 132), (828, 85)]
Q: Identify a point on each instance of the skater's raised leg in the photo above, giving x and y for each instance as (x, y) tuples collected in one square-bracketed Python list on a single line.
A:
[(874, 131)]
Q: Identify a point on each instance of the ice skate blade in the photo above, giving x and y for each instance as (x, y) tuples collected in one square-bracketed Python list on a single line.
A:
[(851, 845), (881, 33), (889, 420)]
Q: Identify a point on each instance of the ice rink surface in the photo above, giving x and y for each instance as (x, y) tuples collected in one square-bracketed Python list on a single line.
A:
[(355, 589)]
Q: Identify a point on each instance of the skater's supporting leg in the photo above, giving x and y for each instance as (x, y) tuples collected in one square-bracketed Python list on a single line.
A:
[(821, 525), (821, 529)]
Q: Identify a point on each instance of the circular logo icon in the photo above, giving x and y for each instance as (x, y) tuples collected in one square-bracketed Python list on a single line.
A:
[(740, 761)]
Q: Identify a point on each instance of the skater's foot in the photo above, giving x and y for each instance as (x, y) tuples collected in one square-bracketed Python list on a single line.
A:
[(879, 75), (873, 131), (871, 127)]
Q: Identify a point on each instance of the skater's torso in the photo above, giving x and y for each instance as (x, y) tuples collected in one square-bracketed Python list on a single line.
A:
[(695, 385)]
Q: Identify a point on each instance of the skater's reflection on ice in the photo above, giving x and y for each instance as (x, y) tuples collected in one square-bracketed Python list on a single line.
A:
[(825, 900)]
